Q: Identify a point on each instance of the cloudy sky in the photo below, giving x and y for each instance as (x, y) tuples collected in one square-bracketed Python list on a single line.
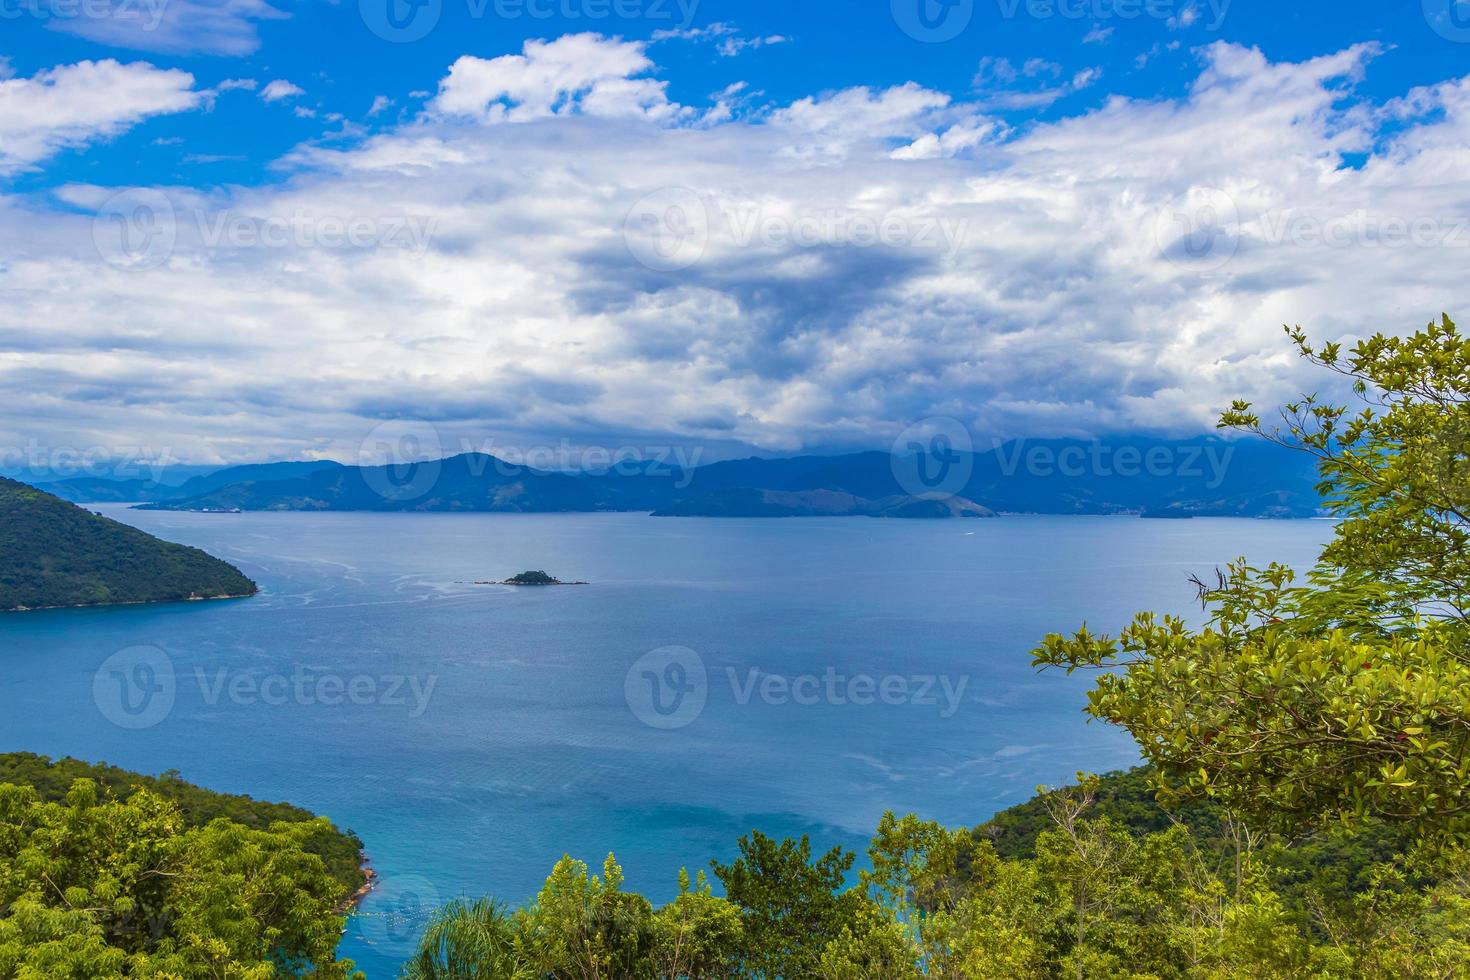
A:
[(236, 230)]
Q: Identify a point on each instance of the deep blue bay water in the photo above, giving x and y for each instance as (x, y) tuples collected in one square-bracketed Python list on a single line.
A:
[(473, 734)]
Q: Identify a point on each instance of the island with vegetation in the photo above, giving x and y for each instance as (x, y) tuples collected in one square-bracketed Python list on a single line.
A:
[(108, 874), (56, 554), (533, 578)]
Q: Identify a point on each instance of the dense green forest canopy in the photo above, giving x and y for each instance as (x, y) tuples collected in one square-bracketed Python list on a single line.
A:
[(533, 578), (54, 553), (97, 885), (52, 779), (1093, 881)]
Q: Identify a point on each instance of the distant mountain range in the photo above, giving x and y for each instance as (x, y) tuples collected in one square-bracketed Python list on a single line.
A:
[(101, 490), (1200, 477), (748, 502), (53, 553)]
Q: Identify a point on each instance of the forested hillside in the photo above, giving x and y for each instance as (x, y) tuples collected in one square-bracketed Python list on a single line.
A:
[(112, 875), (340, 851), (53, 553)]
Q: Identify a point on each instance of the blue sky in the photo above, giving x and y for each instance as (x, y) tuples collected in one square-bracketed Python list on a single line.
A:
[(1035, 218), (329, 50)]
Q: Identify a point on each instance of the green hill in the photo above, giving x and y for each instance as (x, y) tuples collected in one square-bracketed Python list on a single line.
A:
[(54, 553), (340, 851)]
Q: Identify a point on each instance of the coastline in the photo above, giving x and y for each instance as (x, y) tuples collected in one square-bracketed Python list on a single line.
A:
[(370, 883), (132, 602)]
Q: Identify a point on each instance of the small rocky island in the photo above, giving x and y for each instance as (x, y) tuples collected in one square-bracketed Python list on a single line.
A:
[(531, 578)]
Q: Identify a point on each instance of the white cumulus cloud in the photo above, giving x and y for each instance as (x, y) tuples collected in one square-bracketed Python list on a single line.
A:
[(576, 73), (279, 89), (72, 105), (821, 273)]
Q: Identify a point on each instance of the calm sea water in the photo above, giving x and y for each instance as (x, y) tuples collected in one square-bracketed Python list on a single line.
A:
[(828, 670)]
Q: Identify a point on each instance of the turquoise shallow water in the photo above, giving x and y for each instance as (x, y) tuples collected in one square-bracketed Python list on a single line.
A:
[(473, 734)]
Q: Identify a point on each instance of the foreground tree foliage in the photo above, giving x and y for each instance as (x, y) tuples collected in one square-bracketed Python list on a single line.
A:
[(1345, 697), (92, 887), (1092, 897), (52, 779)]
